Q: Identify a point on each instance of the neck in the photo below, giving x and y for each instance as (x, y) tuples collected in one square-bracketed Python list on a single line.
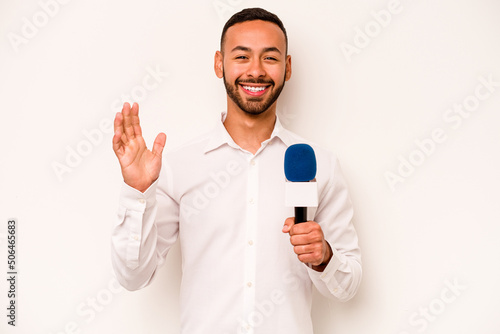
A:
[(249, 131)]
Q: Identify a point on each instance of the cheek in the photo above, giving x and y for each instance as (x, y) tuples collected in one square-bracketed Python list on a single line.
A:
[(234, 70), (277, 74), (231, 77)]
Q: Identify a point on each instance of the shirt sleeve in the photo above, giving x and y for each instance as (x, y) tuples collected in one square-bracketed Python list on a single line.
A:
[(146, 228), (342, 276)]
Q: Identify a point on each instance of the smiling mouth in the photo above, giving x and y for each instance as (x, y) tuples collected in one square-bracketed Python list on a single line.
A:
[(254, 90)]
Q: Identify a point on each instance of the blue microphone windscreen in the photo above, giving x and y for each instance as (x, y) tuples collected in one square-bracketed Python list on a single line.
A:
[(300, 163)]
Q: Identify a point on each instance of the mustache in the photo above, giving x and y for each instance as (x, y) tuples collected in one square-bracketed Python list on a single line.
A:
[(255, 81)]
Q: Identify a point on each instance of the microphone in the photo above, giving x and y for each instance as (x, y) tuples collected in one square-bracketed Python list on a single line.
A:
[(300, 170)]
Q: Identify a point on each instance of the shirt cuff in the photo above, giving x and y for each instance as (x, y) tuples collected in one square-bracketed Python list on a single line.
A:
[(327, 278), (133, 199)]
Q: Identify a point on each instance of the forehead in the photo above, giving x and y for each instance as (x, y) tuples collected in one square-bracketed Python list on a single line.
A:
[(255, 35)]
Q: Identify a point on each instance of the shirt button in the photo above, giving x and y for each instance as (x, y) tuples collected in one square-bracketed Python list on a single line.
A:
[(249, 284), (136, 237), (252, 162), (142, 201), (250, 242), (251, 201)]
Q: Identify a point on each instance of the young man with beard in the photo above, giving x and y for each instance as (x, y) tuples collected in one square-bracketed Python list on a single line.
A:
[(246, 268)]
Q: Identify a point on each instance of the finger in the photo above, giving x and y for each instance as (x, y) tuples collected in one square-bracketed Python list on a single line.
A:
[(135, 119), (310, 258), (124, 138), (288, 224), (307, 249), (316, 250), (127, 121), (117, 144), (119, 137), (306, 227), (159, 144), (118, 123), (305, 238)]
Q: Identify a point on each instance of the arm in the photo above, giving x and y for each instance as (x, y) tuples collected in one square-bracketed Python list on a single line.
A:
[(146, 228), (137, 249)]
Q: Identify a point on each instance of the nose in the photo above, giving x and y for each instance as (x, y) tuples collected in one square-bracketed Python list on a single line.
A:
[(255, 69)]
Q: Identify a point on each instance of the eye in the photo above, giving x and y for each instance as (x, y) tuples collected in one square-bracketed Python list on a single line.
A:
[(271, 58), (241, 57)]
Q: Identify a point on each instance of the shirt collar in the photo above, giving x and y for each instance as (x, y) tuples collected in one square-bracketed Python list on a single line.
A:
[(220, 136)]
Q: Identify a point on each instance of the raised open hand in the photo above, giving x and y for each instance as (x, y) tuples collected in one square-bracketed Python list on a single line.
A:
[(140, 166)]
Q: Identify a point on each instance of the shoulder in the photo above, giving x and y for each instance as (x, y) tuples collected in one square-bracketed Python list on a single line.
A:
[(190, 148)]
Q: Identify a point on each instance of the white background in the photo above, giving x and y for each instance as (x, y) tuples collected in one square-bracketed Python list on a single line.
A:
[(440, 226)]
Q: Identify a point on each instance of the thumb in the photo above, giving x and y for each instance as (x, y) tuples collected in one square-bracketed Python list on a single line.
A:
[(159, 144), (288, 224)]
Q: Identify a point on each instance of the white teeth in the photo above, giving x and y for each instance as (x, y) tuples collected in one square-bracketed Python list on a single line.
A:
[(254, 89)]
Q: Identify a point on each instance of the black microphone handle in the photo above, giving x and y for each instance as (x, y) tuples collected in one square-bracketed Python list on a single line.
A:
[(300, 214)]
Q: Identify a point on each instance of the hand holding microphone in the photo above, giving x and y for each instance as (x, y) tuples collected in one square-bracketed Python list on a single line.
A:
[(300, 172), (301, 192)]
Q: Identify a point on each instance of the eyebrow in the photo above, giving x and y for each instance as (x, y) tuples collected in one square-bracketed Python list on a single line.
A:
[(247, 49)]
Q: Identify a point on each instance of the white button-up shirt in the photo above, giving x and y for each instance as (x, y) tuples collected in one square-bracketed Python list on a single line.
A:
[(227, 207)]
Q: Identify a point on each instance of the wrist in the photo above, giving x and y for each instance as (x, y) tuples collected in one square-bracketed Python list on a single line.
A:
[(326, 259), (139, 185)]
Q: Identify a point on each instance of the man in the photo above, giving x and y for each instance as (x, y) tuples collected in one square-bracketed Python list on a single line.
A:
[(246, 267)]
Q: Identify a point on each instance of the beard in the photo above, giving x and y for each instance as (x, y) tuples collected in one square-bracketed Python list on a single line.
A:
[(253, 105)]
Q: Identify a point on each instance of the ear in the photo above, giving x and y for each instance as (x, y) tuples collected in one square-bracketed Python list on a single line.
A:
[(288, 69), (218, 64)]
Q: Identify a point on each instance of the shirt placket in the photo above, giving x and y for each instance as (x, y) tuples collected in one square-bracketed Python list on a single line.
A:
[(250, 246)]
